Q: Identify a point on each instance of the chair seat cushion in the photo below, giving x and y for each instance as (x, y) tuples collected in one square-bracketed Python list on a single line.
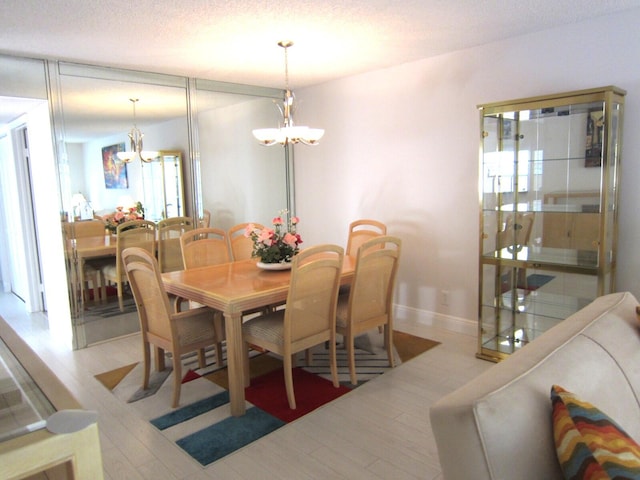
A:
[(198, 328), (268, 327)]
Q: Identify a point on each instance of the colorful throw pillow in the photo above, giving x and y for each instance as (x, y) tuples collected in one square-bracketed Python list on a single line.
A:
[(589, 444)]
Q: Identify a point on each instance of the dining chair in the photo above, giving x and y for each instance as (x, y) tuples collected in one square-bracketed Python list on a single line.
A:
[(205, 221), (135, 233), (174, 332), (91, 269), (308, 318), (362, 230), (204, 246), (241, 246), (369, 304), (169, 249)]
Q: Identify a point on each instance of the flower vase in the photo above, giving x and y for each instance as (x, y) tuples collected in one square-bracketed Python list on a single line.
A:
[(274, 266)]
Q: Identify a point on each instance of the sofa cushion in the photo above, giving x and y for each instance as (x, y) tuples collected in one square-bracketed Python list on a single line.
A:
[(589, 444)]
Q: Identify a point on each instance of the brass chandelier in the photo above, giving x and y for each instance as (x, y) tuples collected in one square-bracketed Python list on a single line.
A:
[(288, 133), (135, 137)]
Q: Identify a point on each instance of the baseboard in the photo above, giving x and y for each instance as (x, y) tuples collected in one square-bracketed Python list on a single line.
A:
[(435, 319)]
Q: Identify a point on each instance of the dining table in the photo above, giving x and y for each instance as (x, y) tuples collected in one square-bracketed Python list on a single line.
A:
[(234, 288)]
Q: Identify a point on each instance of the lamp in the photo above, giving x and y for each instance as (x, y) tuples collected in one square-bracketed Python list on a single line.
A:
[(135, 136), (288, 133)]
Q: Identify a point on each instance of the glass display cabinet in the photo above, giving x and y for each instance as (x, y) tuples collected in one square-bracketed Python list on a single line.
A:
[(549, 179), (163, 186)]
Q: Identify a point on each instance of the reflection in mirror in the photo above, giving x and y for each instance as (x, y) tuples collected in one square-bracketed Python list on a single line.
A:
[(162, 186), (242, 181), (208, 124), (97, 117)]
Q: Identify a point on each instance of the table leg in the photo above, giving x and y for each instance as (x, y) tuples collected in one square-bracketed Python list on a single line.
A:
[(235, 368)]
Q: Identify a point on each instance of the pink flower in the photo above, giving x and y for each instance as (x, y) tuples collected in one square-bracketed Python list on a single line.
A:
[(298, 239), (294, 220), (277, 221), (265, 236), (119, 215), (290, 239), (248, 230)]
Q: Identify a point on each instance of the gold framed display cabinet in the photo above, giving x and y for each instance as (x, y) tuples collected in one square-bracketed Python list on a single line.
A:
[(549, 182), (44, 433)]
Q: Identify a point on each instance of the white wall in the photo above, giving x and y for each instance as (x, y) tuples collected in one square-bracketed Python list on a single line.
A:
[(401, 146)]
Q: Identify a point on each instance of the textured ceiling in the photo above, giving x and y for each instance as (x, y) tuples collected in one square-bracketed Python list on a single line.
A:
[(235, 40)]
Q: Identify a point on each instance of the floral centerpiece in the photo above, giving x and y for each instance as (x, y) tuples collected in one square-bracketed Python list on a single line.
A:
[(278, 244), (121, 215)]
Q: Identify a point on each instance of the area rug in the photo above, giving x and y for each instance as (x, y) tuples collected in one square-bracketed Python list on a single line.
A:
[(202, 425)]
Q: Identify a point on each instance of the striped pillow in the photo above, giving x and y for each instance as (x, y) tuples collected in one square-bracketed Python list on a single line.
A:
[(589, 444)]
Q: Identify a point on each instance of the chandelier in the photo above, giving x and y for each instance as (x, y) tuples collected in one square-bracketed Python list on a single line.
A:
[(288, 132), (135, 137)]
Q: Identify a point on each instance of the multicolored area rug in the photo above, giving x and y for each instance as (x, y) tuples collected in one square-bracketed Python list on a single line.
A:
[(202, 425)]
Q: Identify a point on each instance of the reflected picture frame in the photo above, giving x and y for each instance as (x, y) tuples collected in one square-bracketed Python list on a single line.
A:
[(115, 170)]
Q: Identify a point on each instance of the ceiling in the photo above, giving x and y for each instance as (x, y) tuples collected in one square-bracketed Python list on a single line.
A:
[(236, 40)]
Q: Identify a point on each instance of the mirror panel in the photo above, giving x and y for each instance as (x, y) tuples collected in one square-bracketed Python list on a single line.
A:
[(203, 126)]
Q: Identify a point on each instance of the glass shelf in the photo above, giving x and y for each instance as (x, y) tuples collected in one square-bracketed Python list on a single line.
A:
[(23, 407)]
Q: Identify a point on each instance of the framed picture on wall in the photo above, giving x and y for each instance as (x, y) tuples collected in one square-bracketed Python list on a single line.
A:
[(595, 129), (115, 170)]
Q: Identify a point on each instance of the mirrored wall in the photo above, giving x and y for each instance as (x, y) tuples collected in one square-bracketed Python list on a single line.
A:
[(206, 125)]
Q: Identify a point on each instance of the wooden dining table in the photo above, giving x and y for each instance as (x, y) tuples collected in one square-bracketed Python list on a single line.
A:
[(234, 288)]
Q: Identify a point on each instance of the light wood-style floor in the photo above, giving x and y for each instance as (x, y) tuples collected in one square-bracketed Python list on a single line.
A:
[(380, 430)]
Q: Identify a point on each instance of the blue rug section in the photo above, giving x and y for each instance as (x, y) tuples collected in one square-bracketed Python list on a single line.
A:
[(190, 411), (537, 280), (218, 440)]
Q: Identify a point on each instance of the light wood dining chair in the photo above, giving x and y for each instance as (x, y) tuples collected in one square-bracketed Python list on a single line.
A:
[(205, 221), (362, 230), (135, 233), (169, 249), (167, 330), (91, 269), (204, 246), (370, 301), (241, 246), (308, 318)]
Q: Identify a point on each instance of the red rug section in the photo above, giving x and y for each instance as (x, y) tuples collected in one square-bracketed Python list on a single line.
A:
[(268, 393), (190, 375)]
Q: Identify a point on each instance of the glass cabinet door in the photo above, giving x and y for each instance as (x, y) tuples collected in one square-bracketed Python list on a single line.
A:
[(548, 189)]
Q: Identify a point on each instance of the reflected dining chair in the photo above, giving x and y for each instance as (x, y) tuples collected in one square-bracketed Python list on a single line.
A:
[(205, 221), (167, 330), (169, 249), (308, 318), (241, 246), (362, 230), (135, 233), (370, 301), (91, 269), (515, 235)]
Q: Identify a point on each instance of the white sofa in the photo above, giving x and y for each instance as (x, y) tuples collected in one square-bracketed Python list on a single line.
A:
[(498, 426)]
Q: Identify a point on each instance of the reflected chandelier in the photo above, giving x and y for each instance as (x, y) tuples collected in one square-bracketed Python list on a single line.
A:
[(135, 136), (288, 132)]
